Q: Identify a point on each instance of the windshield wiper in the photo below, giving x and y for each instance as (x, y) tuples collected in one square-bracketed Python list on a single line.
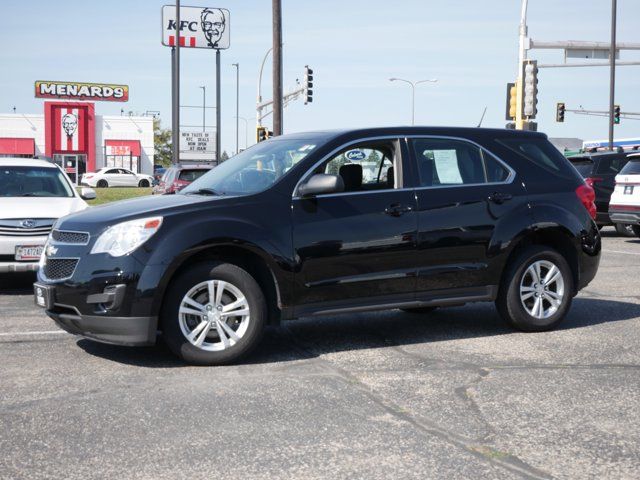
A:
[(205, 191)]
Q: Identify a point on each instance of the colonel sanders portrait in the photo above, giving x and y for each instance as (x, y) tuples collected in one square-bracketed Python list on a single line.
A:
[(69, 124), (213, 24)]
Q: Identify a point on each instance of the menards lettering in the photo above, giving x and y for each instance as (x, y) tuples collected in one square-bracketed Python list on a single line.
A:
[(76, 90)]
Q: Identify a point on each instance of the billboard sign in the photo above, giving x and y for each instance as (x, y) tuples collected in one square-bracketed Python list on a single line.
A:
[(82, 91), (197, 142), (200, 27)]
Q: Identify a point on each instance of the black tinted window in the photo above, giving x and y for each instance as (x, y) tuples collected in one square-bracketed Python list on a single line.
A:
[(631, 168), (191, 175), (583, 165), (538, 150), (611, 165), (443, 161)]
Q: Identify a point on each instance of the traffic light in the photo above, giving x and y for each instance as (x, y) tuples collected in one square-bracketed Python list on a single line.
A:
[(530, 79), (308, 85), (616, 114), (512, 101), (560, 112), (262, 134)]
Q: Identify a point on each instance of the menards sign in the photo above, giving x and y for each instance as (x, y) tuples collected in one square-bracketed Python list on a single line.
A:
[(82, 91)]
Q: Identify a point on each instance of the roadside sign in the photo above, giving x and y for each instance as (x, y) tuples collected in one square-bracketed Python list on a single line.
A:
[(200, 27), (82, 91), (197, 142)]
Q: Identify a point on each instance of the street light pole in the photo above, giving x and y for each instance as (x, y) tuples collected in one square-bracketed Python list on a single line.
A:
[(612, 73), (522, 55), (277, 67), (413, 93), (204, 108), (237, 65), (246, 130)]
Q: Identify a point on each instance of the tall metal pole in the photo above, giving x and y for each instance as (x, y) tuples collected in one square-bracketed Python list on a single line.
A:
[(204, 107), (413, 103), (612, 76), (175, 132), (277, 67), (522, 55), (218, 109), (237, 65), (259, 98), (174, 127)]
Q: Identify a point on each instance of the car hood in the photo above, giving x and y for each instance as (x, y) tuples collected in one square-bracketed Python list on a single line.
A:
[(100, 217), (40, 207)]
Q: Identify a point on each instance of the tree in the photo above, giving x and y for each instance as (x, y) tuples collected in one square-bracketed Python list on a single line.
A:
[(161, 144), (224, 156)]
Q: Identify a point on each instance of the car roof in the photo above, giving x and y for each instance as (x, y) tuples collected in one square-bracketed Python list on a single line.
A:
[(25, 162), (599, 155)]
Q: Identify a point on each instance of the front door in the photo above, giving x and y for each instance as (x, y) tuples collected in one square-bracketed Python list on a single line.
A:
[(360, 243), (463, 193)]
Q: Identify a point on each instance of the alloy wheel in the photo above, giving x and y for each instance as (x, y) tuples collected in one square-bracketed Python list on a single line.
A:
[(214, 315), (542, 289)]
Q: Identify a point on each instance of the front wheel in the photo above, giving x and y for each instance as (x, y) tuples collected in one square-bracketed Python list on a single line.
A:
[(625, 229), (214, 314), (636, 230), (536, 291)]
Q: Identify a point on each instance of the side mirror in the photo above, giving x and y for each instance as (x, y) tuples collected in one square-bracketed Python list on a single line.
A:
[(321, 183), (87, 193)]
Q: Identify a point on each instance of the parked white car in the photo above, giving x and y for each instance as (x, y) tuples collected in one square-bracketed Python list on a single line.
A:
[(116, 177), (33, 195), (624, 206)]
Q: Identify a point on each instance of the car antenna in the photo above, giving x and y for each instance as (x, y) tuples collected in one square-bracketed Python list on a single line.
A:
[(482, 117)]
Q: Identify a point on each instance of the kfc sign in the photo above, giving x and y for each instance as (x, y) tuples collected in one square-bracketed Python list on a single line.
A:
[(200, 27), (82, 91)]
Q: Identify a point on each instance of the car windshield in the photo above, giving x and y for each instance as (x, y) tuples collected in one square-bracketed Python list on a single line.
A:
[(19, 181), (253, 170), (631, 168)]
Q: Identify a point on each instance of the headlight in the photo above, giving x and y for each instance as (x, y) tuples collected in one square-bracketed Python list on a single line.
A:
[(125, 237)]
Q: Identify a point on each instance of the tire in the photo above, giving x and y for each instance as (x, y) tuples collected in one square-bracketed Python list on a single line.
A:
[(194, 285), (625, 229), (636, 230), (143, 183), (419, 310), (102, 184), (512, 307)]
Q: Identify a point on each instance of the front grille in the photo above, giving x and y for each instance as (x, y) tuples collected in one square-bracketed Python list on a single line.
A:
[(60, 268), (39, 227), (61, 236)]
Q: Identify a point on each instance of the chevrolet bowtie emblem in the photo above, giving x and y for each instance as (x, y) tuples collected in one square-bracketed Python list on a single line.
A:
[(51, 250)]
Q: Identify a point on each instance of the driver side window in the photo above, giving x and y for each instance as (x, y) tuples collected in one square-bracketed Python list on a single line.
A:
[(364, 167)]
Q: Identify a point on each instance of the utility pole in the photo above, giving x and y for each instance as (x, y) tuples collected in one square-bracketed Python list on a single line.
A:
[(218, 108), (277, 67), (521, 58), (237, 65), (175, 110), (612, 77)]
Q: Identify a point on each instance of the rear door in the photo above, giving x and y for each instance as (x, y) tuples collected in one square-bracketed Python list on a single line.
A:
[(604, 179), (463, 192), (357, 246)]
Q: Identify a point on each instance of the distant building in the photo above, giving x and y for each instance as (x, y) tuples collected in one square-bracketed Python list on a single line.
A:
[(564, 144)]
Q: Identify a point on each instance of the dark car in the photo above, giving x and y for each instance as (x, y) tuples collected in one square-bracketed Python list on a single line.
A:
[(321, 223), (599, 171), (176, 178)]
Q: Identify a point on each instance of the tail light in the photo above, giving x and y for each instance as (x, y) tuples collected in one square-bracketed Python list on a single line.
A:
[(591, 181), (587, 196)]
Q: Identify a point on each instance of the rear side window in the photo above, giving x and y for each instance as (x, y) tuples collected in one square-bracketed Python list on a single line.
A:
[(537, 150), (191, 175), (611, 166), (631, 168), (447, 162), (583, 165)]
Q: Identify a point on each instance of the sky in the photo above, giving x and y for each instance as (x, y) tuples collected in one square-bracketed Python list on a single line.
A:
[(354, 47)]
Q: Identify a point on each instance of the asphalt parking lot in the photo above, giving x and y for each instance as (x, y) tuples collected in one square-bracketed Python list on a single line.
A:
[(453, 394)]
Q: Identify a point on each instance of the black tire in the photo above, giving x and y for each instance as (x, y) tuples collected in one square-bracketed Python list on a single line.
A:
[(181, 285), (143, 183), (509, 303), (625, 229), (102, 184), (419, 310), (636, 230)]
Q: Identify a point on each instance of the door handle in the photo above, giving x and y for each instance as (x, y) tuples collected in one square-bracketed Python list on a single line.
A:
[(497, 197), (396, 209)]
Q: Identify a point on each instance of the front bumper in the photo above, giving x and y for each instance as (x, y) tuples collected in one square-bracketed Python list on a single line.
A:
[(132, 331), (625, 217), (14, 267)]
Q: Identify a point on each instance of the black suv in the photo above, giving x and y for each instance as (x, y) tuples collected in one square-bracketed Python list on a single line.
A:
[(408, 218), (599, 171)]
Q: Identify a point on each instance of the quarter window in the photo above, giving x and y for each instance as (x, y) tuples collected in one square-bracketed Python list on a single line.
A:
[(443, 162)]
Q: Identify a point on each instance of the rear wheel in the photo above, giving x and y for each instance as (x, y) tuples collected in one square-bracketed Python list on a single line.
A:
[(636, 230), (625, 229), (214, 314), (537, 290), (102, 184), (143, 183)]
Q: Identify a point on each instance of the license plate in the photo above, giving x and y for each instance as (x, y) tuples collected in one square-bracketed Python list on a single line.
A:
[(43, 295), (628, 190), (29, 252)]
